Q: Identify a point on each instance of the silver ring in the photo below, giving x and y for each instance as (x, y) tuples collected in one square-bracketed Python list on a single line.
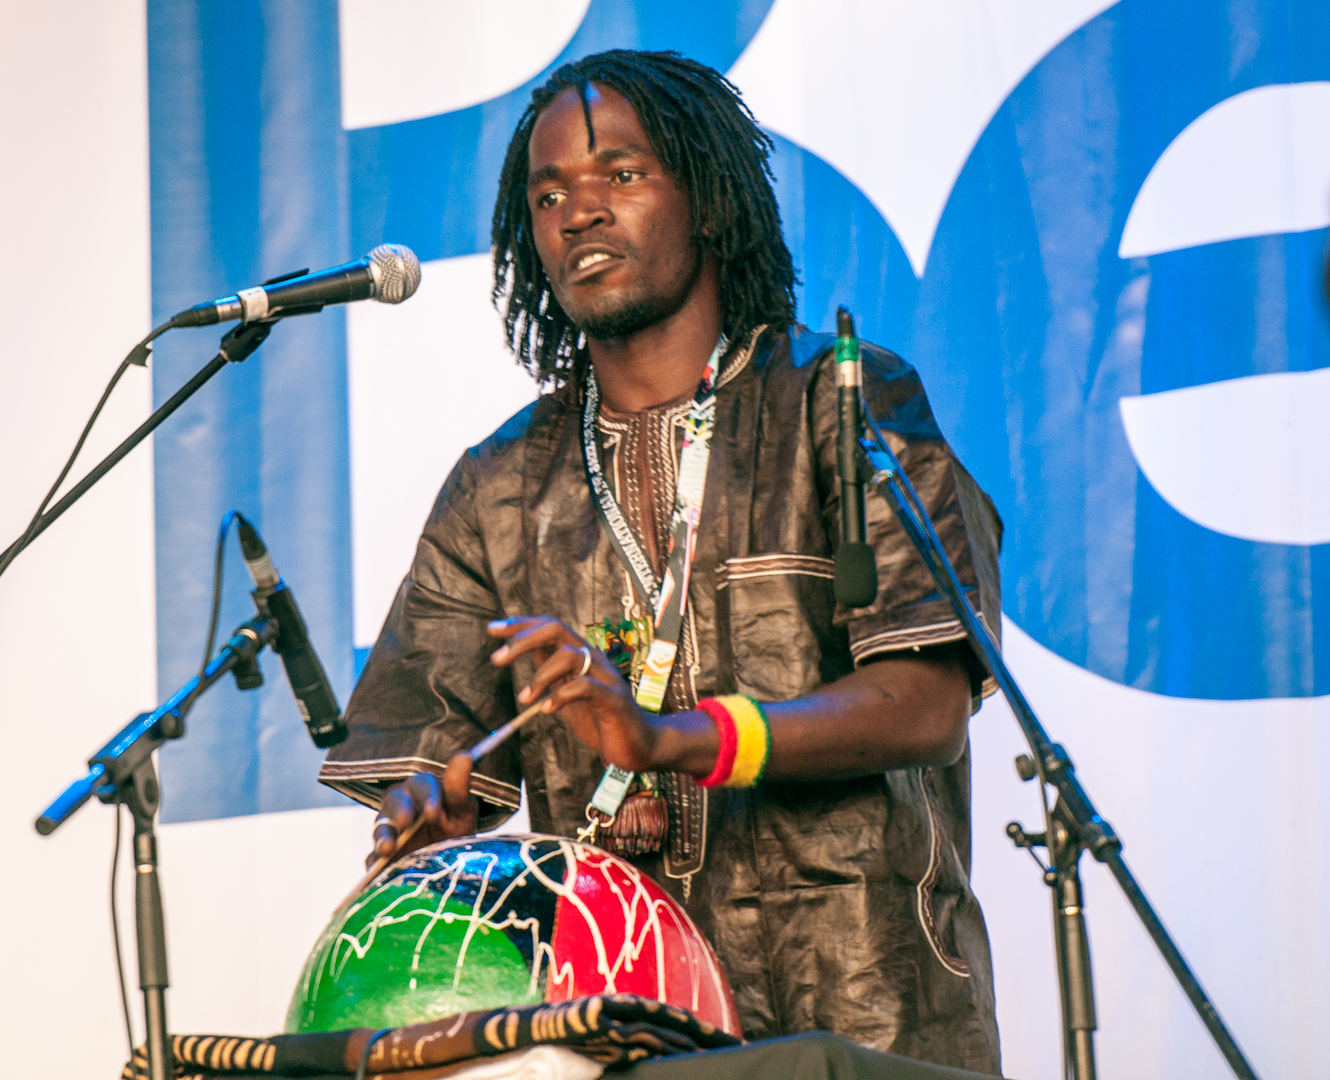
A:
[(586, 661), (382, 820)]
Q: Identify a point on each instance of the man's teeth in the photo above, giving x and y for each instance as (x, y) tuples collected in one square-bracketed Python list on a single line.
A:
[(591, 260)]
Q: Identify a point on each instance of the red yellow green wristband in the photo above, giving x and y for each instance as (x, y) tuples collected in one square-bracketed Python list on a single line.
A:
[(745, 741)]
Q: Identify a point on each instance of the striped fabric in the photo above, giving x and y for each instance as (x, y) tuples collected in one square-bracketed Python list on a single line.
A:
[(613, 1029), (215, 1053)]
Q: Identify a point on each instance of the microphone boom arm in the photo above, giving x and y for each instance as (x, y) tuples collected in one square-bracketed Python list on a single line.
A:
[(881, 469), (236, 347)]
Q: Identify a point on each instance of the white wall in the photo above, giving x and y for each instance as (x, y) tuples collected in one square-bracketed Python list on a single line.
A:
[(77, 641)]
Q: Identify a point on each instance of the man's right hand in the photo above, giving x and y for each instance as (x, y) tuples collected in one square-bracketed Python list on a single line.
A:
[(449, 809)]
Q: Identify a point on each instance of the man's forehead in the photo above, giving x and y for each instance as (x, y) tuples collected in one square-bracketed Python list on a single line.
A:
[(561, 132)]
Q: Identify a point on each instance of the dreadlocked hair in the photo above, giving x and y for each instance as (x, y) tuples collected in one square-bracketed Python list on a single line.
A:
[(708, 140)]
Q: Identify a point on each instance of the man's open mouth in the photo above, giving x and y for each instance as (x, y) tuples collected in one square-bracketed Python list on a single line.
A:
[(590, 263)]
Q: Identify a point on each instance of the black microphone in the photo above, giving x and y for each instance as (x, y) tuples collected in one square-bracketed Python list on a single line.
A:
[(856, 568), (390, 273), (314, 695)]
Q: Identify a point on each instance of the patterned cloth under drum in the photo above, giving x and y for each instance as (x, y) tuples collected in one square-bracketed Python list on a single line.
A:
[(615, 1030)]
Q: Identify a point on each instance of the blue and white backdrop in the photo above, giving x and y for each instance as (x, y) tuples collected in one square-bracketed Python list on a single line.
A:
[(1096, 228)]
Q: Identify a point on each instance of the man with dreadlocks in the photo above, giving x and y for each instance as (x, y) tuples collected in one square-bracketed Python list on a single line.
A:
[(650, 544)]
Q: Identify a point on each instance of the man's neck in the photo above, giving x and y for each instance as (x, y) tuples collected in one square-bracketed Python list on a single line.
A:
[(662, 362)]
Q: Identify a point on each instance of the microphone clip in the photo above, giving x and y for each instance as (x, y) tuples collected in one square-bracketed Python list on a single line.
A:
[(239, 344)]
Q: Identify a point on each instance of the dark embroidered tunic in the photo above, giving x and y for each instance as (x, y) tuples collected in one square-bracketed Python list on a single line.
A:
[(843, 906), (640, 452)]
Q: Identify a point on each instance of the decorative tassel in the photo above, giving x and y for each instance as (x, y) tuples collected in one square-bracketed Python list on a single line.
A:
[(639, 826)]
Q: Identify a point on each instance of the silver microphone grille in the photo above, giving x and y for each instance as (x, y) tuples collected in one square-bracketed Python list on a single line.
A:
[(399, 272)]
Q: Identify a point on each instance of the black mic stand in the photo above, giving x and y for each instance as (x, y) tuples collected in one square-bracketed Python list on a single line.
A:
[(122, 772), (1065, 842), (236, 347), (1074, 826)]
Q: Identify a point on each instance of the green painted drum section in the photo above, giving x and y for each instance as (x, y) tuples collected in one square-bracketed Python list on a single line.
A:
[(393, 959)]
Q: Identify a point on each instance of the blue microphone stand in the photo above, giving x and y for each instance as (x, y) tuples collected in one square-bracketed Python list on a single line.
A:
[(122, 772)]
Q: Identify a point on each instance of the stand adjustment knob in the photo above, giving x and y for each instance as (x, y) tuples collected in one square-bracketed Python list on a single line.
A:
[(1021, 838), (1025, 767), (171, 725)]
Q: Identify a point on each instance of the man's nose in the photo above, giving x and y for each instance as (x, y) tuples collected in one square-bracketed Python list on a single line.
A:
[(585, 208)]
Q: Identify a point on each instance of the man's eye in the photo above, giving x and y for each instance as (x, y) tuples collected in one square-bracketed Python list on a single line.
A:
[(549, 199), (624, 176)]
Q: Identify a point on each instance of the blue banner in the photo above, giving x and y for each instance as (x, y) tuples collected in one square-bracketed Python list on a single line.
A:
[(1086, 333)]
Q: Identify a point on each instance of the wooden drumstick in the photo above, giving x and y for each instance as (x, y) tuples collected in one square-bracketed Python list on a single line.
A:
[(499, 736), (379, 864), (486, 745)]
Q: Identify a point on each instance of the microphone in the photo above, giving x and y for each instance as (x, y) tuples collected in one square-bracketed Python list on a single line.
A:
[(390, 273), (856, 567), (314, 696)]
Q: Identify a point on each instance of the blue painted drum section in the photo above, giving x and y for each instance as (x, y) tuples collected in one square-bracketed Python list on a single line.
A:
[(454, 928)]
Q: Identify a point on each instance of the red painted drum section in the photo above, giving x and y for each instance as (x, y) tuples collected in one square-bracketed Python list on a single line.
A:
[(617, 931)]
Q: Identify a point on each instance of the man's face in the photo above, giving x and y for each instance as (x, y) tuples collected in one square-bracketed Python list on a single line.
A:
[(611, 226)]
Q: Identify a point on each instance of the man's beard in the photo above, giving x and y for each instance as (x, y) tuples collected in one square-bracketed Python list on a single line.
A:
[(629, 314)]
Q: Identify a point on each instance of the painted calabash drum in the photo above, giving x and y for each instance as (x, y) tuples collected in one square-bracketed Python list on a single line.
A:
[(480, 923)]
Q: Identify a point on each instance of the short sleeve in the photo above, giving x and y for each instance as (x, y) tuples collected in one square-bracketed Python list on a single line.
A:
[(428, 689), (909, 612)]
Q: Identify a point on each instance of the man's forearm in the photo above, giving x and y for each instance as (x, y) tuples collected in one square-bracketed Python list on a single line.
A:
[(899, 712)]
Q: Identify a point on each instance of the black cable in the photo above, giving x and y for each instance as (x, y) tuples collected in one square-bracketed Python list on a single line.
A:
[(115, 934), (137, 355), (231, 515), (363, 1068)]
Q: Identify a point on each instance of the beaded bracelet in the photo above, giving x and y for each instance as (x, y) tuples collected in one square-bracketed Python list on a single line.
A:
[(745, 741)]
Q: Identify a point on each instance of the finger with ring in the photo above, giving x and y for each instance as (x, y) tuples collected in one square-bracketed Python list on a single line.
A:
[(586, 661)]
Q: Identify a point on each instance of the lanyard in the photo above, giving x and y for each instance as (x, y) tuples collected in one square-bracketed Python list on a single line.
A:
[(668, 596)]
